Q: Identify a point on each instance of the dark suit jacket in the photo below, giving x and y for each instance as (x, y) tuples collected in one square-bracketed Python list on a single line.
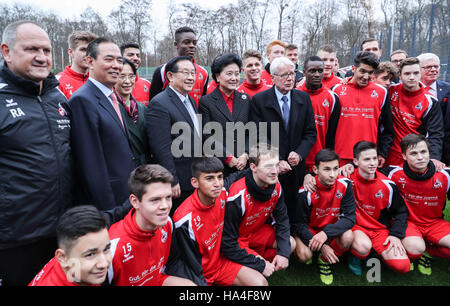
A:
[(163, 111), (137, 135), (300, 136), (302, 133), (443, 95), (101, 148), (213, 108)]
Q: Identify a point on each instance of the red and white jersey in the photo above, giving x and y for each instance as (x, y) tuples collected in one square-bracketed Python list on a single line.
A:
[(204, 224), (331, 81), (70, 81), (323, 102), (408, 111), (361, 109), (252, 89), (424, 197), (141, 91), (139, 257), (379, 204), (52, 275), (266, 78)]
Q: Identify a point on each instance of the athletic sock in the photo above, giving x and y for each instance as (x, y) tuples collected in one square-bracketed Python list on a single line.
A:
[(401, 266)]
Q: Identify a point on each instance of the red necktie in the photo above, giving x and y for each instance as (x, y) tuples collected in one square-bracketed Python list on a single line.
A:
[(116, 106)]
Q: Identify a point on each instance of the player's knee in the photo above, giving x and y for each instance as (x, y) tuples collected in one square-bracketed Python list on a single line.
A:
[(293, 244), (346, 239), (304, 254), (414, 246), (362, 246)]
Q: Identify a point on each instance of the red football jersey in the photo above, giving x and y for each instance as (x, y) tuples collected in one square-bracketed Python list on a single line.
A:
[(52, 275), (141, 91), (252, 89), (139, 257), (70, 81)]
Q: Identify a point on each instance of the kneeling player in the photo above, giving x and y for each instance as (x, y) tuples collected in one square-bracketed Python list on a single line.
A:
[(140, 243), (324, 218), (247, 237), (424, 190), (83, 256), (198, 227), (380, 213)]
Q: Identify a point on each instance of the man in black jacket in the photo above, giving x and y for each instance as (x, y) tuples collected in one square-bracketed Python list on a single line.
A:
[(35, 156), (291, 111)]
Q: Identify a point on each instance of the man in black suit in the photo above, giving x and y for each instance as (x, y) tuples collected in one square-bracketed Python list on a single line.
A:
[(429, 75), (173, 129), (291, 110), (99, 137)]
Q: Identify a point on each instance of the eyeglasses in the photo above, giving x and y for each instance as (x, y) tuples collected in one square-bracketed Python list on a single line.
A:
[(123, 77), (428, 68), (187, 73), (286, 75)]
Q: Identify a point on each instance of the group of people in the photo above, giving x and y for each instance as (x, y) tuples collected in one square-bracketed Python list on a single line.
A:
[(108, 178)]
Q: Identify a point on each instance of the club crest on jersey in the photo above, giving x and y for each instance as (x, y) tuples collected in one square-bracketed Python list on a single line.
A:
[(61, 110), (419, 106), (343, 91), (145, 88), (163, 236), (222, 202), (374, 94), (200, 76), (325, 103), (274, 193), (339, 195), (437, 184), (379, 194), (394, 96)]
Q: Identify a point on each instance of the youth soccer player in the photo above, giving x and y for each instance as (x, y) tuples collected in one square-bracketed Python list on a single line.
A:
[(328, 55), (83, 256), (425, 191), (248, 238), (140, 243), (252, 68), (199, 224), (324, 218), (365, 111), (416, 111), (380, 213), (325, 104)]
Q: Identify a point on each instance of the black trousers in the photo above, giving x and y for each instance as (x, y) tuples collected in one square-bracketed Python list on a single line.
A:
[(18, 266)]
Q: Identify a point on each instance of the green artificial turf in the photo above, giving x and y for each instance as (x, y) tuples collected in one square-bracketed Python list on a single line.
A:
[(299, 274)]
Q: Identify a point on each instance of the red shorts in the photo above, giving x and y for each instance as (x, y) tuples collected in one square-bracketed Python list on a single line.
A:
[(226, 274), (431, 232), (377, 237), (260, 241)]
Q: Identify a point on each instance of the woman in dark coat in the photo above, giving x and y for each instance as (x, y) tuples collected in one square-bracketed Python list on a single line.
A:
[(226, 104), (133, 113)]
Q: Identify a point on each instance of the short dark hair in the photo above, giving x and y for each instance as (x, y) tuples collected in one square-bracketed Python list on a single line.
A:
[(128, 45), (361, 146), (126, 61), (327, 48), (367, 58), (408, 62), (145, 175), (206, 165), (325, 155), (172, 64), (386, 67), (182, 30), (260, 149), (411, 141), (222, 61), (92, 48), (313, 58), (291, 47), (77, 222), (369, 40)]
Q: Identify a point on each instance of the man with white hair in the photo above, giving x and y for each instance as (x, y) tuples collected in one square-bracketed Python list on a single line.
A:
[(429, 69), (291, 111)]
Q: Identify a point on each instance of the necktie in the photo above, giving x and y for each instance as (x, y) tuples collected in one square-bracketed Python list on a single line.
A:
[(191, 112), (115, 104), (285, 110)]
